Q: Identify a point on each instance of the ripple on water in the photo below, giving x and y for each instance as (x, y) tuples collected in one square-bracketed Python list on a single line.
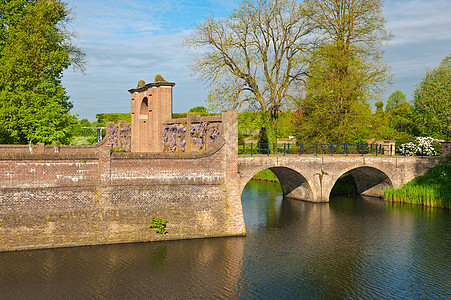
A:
[(350, 248)]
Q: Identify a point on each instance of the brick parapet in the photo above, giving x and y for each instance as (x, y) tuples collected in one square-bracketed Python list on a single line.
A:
[(57, 199)]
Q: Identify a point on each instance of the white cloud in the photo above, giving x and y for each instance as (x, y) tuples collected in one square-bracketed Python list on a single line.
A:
[(129, 40), (422, 38), (125, 42)]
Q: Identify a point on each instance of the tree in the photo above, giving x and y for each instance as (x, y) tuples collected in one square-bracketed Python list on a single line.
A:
[(198, 109), (396, 99), (35, 49), (432, 100), (103, 118), (379, 107), (77, 130), (402, 115), (346, 72), (254, 56)]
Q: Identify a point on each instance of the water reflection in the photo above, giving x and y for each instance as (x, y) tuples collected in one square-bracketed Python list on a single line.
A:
[(348, 248)]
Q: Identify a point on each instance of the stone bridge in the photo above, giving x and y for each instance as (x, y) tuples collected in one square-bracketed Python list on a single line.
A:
[(312, 178), (186, 170)]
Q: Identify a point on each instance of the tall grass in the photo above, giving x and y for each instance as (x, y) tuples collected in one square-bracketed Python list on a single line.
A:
[(431, 189)]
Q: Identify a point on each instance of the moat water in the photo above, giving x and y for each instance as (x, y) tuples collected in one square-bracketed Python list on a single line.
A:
[(352, 247)]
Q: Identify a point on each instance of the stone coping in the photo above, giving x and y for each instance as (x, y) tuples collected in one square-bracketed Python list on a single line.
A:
[(169, 155), (49, 156), (114, 155), (210, 119)]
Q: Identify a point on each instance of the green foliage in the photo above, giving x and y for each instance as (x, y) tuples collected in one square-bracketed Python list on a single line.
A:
[(345, 72), (76, 129), (379, 107), (198, 109), (335, 103), (178, 115), (103, 118), (403, 123), (430, 189), (266, 175), (249, 124), (35, 49), (82, 140), (432, 100), (396, 99), (159, 225)]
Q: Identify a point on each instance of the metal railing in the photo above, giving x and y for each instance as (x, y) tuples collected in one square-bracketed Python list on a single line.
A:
[(315, 149)]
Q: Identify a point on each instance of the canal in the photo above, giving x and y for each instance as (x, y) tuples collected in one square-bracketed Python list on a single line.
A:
[(352, 247)]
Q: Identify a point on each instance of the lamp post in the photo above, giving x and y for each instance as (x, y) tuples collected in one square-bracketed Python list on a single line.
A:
[(389, 128), (447, 127)]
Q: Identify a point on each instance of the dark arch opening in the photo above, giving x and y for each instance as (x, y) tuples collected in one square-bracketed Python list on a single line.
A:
[(267, 204), (366, 181), (144, 107), (344, 186), (293, 184)]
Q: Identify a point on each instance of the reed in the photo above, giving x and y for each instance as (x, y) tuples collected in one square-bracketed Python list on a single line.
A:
[(431, 189)]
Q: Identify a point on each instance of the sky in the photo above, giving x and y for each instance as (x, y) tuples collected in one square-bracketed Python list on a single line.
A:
[(129, 40)]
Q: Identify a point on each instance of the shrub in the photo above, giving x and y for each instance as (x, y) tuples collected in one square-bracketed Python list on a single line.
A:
[(425, 146)]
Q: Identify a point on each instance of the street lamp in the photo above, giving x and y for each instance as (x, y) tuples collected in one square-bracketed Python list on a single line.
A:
[(389, 128), (447, 127)]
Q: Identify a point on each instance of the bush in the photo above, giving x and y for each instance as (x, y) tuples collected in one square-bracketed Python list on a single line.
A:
[(425, 146)]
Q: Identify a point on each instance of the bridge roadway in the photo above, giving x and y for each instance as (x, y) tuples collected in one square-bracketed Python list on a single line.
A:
[(311, 178)]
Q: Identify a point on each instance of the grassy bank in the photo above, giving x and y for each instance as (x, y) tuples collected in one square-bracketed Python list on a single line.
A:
[(431, 189), (266, 175)]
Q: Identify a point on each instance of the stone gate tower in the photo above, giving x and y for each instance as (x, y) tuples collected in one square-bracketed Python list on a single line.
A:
[(151, 106)]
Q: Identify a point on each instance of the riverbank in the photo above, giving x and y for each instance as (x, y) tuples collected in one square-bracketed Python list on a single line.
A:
[(266, 175), (433, 188)]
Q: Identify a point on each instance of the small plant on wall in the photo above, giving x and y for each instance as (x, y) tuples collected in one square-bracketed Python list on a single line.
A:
[(159, 225)]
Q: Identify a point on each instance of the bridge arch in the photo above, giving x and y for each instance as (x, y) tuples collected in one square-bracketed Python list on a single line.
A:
[(370, 180), (293, 183)]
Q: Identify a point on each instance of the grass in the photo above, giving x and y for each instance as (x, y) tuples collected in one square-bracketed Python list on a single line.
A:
[(83, 140), (433, 188), (266, 175)]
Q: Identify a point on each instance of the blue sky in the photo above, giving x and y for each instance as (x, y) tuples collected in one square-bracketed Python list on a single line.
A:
[(129, 40)]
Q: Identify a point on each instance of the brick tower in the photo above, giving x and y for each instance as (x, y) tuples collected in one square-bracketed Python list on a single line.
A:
[(151, 106)]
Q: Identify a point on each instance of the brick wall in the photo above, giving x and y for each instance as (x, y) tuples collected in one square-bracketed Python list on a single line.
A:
[(61, 198)]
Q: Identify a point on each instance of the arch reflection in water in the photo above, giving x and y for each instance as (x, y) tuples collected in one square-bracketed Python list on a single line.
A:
[(347, 248)]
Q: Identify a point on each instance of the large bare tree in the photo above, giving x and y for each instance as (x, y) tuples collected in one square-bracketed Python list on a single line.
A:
[(254, 58)]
